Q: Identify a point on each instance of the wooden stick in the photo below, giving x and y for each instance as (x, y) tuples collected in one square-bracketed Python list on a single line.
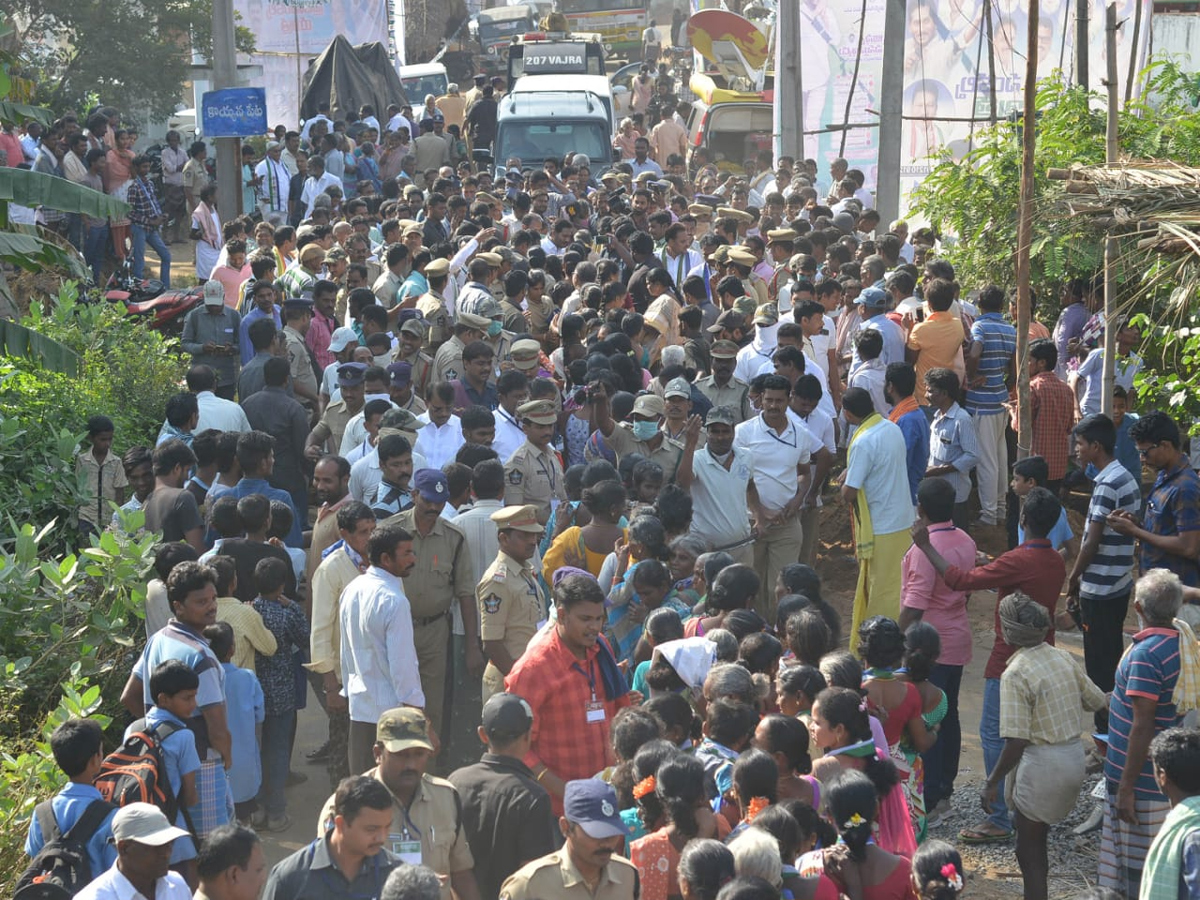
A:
[(1110, 243), (1025, 237)]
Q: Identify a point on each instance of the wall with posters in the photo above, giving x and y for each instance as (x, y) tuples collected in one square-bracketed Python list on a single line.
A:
[(291, 31), (946, 70)]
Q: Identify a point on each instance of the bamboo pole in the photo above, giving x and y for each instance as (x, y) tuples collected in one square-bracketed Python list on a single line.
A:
[(1025, 236), (1110, 243)]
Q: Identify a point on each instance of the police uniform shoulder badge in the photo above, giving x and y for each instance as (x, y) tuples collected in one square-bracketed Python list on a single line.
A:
[(491, 603), (515, 476)]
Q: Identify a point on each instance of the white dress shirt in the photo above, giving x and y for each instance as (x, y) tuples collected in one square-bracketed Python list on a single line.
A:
[(753, 360), (314, 187), (112, 885), (774, 458), (379, 659), (365, 474), (276, 183), (509, 435), (219, 413), (438, 445)]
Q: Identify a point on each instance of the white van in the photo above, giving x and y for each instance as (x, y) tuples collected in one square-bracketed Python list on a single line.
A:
[(422, 80), (554, 115)]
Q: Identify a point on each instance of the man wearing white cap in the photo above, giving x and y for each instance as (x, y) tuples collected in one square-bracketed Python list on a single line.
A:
[(143, 837), (210, 334)]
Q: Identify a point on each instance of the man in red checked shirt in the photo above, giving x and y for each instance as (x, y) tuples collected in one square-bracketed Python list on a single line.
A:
[(570, 679)]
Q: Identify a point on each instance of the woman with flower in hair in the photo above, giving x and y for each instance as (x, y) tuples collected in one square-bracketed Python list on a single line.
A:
[(646, 815), (841, 728), (859, 866), (937, 871), (755, 786), (679, 789)]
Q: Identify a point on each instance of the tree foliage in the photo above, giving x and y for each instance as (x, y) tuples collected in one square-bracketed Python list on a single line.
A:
[(134, 56)]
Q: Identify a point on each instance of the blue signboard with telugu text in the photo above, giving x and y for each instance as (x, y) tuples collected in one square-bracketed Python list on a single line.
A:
[(234, 112)]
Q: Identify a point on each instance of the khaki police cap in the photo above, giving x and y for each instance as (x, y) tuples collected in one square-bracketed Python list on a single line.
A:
[(525, 354), (495, 260), (724, 350), (479, 323), (438, 267), (518, 518), (540, 412), (742, 257), (781, 236)]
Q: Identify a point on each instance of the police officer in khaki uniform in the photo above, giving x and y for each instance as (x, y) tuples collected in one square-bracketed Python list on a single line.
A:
[(427, 826), (741, 263), (780, 244), (408, 349), (326, 436), (721, 387), (443, 575), (533, 473), (511, 601), (526, 354), (589, 866), (644, 435), (433, 305), (448, 364), (297, 315), (495, 336)]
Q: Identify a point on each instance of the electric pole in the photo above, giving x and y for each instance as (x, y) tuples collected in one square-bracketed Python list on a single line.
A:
[(224, 69), (891, 113), (789, 88)]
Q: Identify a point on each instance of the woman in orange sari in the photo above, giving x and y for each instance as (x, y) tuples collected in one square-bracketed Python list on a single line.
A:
[(587, 547)]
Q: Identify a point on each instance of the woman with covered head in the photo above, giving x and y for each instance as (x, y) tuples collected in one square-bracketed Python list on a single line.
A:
[(1043, 695)]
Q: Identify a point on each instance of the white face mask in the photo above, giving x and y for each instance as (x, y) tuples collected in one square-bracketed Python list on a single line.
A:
[(384, 361)]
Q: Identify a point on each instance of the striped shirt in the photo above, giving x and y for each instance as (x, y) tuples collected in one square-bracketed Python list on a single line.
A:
[(999, 340), (1110, 572), (1148, 669)]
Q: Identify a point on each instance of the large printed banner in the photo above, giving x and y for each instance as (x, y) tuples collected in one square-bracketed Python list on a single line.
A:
[(278, 23), (946, 74)]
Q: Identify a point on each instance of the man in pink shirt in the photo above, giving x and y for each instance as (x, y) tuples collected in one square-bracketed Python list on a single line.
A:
[(925, 596), (233, 273)]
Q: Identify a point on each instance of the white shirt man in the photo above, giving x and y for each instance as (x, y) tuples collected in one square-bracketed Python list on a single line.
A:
[(313, 188), (365, 474), (319, 117), (396, 122), (379, 659), (146, 826), (509, 435), (275, 181), (438, 445), (718, 493), (774, 458), (216, 413)]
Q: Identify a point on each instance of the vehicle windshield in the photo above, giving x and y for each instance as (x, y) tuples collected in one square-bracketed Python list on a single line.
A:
[(534, 141), (416, 89)]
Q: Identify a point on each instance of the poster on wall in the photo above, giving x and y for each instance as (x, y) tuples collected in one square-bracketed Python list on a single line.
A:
[(946, 72)]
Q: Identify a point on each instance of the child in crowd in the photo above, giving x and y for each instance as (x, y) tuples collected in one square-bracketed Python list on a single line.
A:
[(78, 748), (796, 687), (281, 525), (244, 712), (138, 464), (250, 634), (276, 674), (1032, 472), (173, 686), (1176, 757), (662, 625), (102, 475)]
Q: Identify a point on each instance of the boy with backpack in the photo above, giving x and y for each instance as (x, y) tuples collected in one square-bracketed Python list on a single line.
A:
[(173, 686), (77, 745), (244, 712), (277, 675)]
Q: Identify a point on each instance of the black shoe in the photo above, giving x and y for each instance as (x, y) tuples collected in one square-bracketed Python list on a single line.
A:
[(295, 778), (318, 756)]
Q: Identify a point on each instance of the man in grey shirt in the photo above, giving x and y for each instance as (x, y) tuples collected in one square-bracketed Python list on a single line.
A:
[(210, 334)]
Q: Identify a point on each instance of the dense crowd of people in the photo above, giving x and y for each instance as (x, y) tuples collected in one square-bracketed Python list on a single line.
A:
[(540, 461)]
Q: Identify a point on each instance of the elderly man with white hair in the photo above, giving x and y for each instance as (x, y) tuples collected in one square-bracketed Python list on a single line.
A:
[(1158, 679), (1043, 694)]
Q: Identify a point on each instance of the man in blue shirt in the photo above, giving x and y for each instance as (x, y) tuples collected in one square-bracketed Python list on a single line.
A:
[(953, 452), (77, 745), (989, 363), (900, 383), (263, 298), (256, 456)]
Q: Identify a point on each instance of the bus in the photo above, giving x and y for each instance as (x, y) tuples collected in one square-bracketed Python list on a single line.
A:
[(619, 22)]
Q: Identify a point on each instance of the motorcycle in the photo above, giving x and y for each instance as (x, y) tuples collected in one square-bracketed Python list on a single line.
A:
[(164, 309)]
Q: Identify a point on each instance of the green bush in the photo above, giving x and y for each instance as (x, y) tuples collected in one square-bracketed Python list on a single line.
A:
[(70, 628), (127, 373)]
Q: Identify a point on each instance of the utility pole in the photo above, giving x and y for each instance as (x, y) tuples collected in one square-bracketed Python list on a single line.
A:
[(789, 87), (1025, 236), (891, 111), (1110, 242), (224, 67), (1081, 42)]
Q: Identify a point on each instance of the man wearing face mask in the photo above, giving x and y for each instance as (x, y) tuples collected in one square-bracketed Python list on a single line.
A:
[(443, 575), (589, 866), (643, 435), (426, 826)]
